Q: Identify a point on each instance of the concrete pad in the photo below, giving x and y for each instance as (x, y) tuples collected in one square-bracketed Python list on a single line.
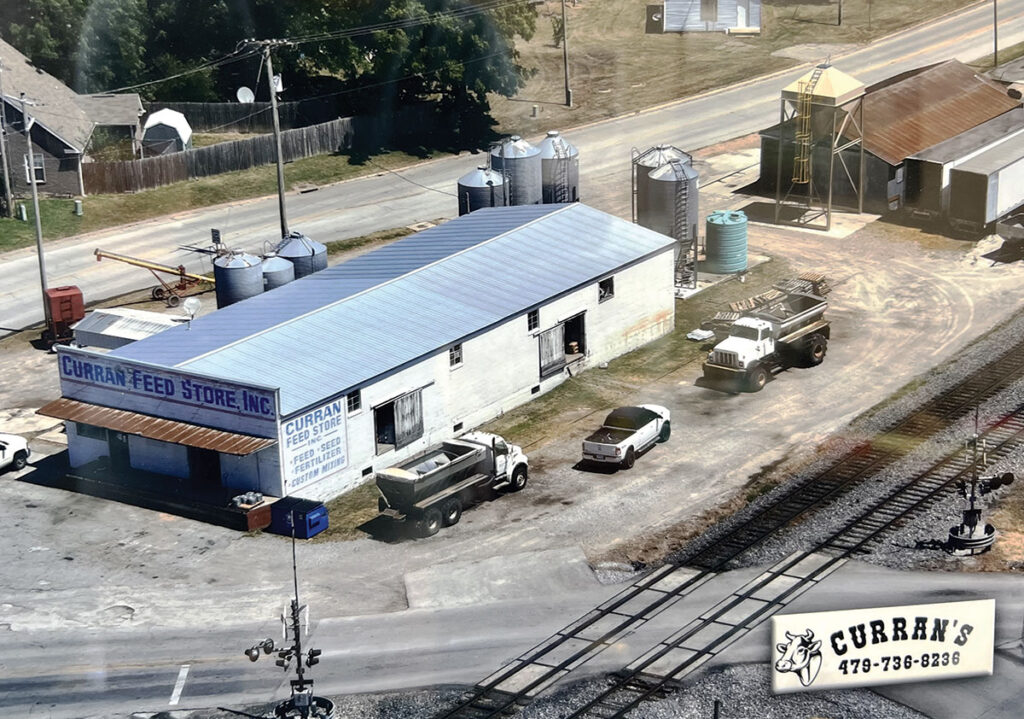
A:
[(528, 575), (25, 421)]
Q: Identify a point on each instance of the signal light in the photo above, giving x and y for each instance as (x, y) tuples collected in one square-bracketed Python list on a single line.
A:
[(253, 653), (311, 659), (282, 663)]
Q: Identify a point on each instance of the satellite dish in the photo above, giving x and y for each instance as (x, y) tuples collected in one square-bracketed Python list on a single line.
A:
[(245, 95), (192, 306)]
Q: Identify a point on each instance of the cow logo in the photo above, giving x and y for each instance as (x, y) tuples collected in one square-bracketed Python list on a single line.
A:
[(801, 655)]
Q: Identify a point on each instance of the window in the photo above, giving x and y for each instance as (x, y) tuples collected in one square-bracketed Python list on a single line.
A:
[(606, 289), (37, 160), (455, 356), (90, 431), (355, 402), (532, 320)]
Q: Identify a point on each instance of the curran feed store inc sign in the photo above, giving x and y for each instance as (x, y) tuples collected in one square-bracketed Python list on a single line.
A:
[(885, 645)]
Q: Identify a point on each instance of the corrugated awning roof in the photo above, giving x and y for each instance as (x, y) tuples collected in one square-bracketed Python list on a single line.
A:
[(158, 428)]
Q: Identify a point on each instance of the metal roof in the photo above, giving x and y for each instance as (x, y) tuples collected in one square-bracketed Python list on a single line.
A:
[(684, 15), (995, 158), (908, 113), (117, 326), (164, 430), (996, 130), (405, 316), (832, 86), (320, 289)]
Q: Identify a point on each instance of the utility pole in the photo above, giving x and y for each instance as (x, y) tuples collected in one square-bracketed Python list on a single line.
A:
[(27, 124), (267, 44), (565, 57), (995, 34), (8, 197)]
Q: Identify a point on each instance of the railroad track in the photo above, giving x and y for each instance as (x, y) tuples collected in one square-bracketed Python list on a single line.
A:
[(521, 680)]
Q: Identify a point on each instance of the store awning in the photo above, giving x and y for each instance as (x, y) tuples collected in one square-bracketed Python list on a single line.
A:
[(158, 428)]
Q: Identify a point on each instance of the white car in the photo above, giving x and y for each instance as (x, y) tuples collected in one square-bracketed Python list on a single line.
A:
[(14, 452), (627, 432)]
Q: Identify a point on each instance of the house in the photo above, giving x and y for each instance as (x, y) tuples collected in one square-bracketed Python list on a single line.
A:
[(712, 16), (308, 388)]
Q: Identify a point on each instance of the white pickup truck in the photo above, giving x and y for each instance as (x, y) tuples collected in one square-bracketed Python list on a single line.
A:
[(627, 432), (14, 452)]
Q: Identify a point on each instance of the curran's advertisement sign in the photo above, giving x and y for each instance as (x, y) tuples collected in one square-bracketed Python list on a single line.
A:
[(111, 381), (885, 645), (314, 444)]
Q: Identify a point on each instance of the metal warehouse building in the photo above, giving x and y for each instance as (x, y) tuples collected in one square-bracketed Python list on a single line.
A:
[(310, 387)]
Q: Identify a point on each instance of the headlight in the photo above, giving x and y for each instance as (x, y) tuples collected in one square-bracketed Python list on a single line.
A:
[(618, 451), (742, 363)]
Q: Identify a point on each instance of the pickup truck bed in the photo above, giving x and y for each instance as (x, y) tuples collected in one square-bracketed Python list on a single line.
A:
[(609, 435)]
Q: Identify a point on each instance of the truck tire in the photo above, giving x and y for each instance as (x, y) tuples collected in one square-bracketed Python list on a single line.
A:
[(451, 512), (518, 480), (817, 346), (666, 432), (629, 459), (429, 522), (20, 460), (757, 379)]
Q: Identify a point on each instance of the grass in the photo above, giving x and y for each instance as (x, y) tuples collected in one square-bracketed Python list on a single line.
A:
[(104, 211), (984, 64), (347, 512)]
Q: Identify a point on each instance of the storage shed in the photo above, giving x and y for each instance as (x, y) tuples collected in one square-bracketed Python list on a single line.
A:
[(117, 326), (166, 131), (308, 389)]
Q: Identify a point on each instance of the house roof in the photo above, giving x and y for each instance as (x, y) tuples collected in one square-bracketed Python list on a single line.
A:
[(405, 301), (912, 112), (57, 109), (112, 109)]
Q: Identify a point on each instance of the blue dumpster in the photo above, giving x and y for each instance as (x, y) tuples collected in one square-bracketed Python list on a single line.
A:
[(310, 517)]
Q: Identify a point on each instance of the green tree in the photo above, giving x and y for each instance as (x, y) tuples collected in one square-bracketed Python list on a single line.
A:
[(46, 31), (111, 45)]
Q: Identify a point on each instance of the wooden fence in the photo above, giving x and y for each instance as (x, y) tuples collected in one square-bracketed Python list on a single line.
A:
[(253, 116), (325, 138)]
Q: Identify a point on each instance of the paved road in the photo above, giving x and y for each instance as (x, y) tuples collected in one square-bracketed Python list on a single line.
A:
[(74, 674), (356, 207)]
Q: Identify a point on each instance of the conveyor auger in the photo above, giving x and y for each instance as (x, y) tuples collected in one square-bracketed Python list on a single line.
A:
[(169, 293)]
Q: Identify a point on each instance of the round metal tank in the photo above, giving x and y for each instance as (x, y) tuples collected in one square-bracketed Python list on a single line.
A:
[(560, 169), (239, 276), (307, 255), (666, 192), (481, 188), (726, 247), (277, 271), (520, 162)]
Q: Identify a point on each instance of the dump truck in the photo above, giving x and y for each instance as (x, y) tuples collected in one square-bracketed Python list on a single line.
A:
[(433, 487), (787, 332)]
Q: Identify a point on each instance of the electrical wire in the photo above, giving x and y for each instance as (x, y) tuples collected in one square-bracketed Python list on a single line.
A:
[(208, 65)]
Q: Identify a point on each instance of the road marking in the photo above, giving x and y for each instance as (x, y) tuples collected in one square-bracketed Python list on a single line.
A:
[(179, 685)]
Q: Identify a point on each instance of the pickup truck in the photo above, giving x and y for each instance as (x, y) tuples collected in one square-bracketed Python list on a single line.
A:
[(433, 487), (627, 432), (14, 452)]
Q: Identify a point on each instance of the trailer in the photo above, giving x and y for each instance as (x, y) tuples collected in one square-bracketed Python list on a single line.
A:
[(987, 187), (762, 343), (432, 488)]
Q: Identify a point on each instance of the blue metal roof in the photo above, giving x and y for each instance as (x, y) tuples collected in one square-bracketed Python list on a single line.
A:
[(406, 315), (307, 294)]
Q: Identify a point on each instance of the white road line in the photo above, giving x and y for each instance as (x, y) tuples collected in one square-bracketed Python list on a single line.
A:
[(179, 685)]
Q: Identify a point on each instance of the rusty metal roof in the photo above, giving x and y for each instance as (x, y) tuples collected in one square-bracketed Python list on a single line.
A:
[(164, 430), (911, 112)]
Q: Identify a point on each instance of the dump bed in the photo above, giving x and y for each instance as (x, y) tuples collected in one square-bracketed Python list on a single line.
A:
[(792, 312), (429, 472)]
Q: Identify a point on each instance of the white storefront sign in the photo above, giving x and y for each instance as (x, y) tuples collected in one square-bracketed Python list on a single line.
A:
[(136, 386), (885, 645), (314, 444)]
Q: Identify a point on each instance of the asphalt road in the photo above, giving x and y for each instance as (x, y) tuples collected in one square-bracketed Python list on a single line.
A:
[(357, 207)]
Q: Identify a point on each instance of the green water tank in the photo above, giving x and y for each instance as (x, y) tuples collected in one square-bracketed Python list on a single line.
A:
[(726, 242)]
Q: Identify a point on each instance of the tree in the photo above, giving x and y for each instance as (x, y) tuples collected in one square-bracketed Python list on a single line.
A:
[(46, 31), (111, 45)]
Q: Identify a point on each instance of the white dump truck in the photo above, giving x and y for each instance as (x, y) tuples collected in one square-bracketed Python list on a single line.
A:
[(790, 331), (433, 487)]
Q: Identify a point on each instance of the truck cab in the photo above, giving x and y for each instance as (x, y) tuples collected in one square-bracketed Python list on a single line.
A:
[(750, 340)]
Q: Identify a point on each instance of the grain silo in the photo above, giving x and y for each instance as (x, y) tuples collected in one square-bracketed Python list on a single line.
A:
[(665, 188), (307, 256), (519, 161), (482, 188), (560, 169), (239, 276), (277, 271)]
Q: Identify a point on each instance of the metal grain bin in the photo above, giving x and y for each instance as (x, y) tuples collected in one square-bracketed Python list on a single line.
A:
[(307, 256), (239, 276), (519, 161), (657, 205), (277, 271), (726, 247), (481, 188), (560, 169)]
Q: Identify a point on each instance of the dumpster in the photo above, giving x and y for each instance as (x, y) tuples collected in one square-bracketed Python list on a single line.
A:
[(310, 517)]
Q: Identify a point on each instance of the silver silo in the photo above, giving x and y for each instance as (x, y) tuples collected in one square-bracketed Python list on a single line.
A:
[(277, 271), (239, 276), (665, 190), (307, 255), (560, 169), (482, 188), (520, 162)]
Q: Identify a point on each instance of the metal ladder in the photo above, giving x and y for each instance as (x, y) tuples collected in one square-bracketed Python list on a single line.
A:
[(802, 156), (681, 226)]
